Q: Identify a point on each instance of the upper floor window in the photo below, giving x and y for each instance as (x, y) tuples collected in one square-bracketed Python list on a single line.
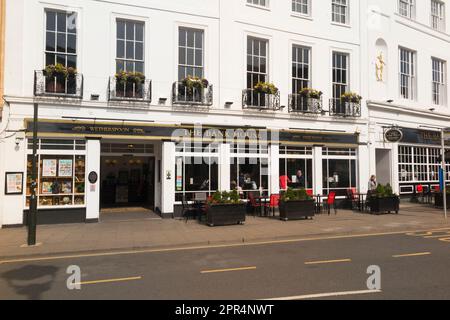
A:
[(301, 68), (438, 15), (256, 61), (439, 84), (407, 8), (130, 46), (262, 3), (61, 38), (190, 53), (407, 74), (339, 11), (340, 75), (301, 6)]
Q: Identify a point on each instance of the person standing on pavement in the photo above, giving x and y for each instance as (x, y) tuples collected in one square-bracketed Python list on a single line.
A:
[(373, 184)]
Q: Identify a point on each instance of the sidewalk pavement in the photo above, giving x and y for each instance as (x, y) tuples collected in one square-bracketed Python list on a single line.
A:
[(132, 234)]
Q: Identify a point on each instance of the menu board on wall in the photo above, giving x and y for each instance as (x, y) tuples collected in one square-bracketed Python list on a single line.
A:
[(49, 167), (14, 183), (65, 167)]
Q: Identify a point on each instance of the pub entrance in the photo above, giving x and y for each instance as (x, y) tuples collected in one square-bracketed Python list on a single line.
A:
[(127, 176)]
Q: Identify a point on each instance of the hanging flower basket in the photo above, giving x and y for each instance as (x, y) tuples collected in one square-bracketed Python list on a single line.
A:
[(198, 83)]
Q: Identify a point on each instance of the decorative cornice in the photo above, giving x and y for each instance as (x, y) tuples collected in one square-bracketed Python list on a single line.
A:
[(407, 110)]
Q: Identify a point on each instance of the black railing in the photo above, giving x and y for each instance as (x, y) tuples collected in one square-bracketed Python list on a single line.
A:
[(182, 95), (130, 91), (302, 104), (58, 86), (252, 99), (341, 108)]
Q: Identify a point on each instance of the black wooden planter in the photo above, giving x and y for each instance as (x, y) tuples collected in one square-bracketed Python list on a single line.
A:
[(439, 200), (296, 210), (384, 205), (226, 214)]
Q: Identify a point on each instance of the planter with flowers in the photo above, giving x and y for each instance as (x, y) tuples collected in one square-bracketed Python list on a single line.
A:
[(129, 84), (225, 208), (308, 100), (264, 95), (57, 77)]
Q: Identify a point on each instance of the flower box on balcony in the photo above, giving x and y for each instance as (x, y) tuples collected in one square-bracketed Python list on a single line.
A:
[(59, 81), (264, 96)]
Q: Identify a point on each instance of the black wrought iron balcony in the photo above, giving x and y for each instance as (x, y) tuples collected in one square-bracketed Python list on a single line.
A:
[(70, 86), (252, 99), (301, 104), (341, 108), (131, 91), (183, 95)]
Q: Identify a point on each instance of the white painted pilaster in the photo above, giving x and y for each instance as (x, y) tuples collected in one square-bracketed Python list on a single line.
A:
[(93, 190), (317, 170), (394, 169), (364, 171), (224, 167), (274, 169), (168, 179)]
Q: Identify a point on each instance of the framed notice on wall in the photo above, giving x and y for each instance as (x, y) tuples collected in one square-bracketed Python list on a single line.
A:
[(49, 167), (14, 183)]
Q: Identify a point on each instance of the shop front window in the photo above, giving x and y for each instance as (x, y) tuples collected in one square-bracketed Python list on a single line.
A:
[(296, 167), (195, 175), (249, 174), (61, 180), (339, 170)]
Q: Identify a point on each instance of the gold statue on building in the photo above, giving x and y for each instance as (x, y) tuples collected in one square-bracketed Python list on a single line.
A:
[(380, 64)]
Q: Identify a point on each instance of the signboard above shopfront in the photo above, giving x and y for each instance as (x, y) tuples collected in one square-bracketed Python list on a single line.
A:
[(393, 135)]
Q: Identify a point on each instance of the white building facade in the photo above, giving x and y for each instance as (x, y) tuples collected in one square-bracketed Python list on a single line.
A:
[(106, 140)]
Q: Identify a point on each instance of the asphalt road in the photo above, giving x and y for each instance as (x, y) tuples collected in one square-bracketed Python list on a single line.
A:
[(413, 266)]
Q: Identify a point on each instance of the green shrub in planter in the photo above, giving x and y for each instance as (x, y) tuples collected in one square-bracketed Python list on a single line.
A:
[(225, 208), (296, 205), (383, 200)]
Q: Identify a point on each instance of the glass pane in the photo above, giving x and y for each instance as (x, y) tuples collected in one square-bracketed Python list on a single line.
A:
[(72, 62), (130, 50), (129, 31), (51, 20), (190, 57), (139, 67), (50, 59), (139, 32), (120, 66), (182, 38), (190, 39), (51, 39), (182, 55), (71, 43), (61, 42), (120, 30), (61, 20), (120, 49), (139, 51)]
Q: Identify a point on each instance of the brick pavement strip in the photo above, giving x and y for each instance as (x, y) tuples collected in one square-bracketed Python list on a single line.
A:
[(139, 234)]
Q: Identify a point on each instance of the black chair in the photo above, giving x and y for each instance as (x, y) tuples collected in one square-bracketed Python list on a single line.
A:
[(188, 210)]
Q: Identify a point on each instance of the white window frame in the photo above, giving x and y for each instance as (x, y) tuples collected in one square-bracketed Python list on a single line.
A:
[(337, 16), (296, 4), (186, 65), (134, 41), (407, 78), (258, 3), (335, 69), (259, 57), (295, 61), (437, 15), (407, 8), (439, 81)]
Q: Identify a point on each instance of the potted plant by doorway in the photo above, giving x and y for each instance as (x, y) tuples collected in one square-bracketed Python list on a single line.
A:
[(383, 200), (225, 208), (296, 205)]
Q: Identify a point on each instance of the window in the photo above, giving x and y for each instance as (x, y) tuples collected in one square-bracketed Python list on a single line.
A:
[(190, 56), (301, 68), (296, 164), (262, 3), (61, 173), (61, 38), (130, 46), (339, 170), (256, 61), (249, 174), (438, 15), (439, 86), (407, 74), (419, 164), (340, 79), (407, 8), (339, 11), (301, 6)]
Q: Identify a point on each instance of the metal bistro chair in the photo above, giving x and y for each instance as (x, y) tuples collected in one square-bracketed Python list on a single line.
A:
[(353, 198), (274, 203), (188, 210)]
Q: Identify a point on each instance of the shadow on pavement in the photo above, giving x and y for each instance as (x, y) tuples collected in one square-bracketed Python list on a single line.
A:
[(31, 281)]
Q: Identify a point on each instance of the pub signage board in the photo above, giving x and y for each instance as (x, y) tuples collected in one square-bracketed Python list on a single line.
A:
[(393, 135)]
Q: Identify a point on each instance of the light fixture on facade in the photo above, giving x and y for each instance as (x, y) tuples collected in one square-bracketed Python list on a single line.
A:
[(162, 101), (228, 104), (95, 97)]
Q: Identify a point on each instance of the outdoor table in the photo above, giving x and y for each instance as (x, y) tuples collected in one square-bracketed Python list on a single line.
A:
[(362, 200)]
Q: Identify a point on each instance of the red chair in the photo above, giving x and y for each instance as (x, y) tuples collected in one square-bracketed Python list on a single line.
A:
[(331, 201), (309, 192), (437, 189), (274, 202), (353, 198), (255, 204), (420, 191)]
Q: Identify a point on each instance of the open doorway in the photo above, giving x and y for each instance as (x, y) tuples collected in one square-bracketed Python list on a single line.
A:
[(383, 166), (127, 182)]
